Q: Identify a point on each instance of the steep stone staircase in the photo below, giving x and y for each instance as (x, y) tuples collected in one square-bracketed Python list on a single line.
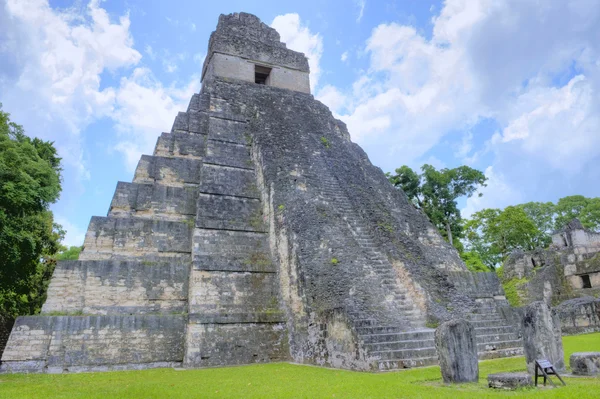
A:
[(402, 344), (409, 343), (495, 336)]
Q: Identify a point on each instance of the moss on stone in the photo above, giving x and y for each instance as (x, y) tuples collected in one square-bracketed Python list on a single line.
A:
[(513, 289)]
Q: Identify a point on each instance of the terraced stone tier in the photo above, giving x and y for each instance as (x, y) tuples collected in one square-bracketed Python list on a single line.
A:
[(56, 344), (118, 287), (168, 171), (154, 201), (113, 237), (181, 145)]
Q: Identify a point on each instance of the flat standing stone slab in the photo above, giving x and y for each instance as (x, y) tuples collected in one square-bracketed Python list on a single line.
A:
[(585, 363), (457, 349), (542, 337), (509, 381)]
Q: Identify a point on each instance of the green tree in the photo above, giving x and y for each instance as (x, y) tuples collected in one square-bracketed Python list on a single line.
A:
[(476, 237), (542, 214), (474, 262), (569, 208), (436, 191), (590, 216), (30, 180), (493, 234), (71, 253)]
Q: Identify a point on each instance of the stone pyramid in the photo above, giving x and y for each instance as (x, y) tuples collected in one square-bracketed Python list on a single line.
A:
[(257, 232)]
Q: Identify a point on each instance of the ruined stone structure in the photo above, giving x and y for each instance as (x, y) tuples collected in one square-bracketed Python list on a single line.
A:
[(567, 273), (257, 232)]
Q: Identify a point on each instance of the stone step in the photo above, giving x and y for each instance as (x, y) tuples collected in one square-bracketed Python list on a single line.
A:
[(487, 323), (364, 323), (399, 364), (374, 337), (405, 353), (398, 345), (511, 336), (483, 317), (494, 346), (495, 354), (494, 330)]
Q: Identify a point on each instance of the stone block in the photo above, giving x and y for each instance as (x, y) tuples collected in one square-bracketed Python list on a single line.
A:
[(231, 251), (182, 145), (585, 363), (229, 213), (228, 154), (108, 237), (579, 315), (509, 381), (118, 287), (168, 171), (229, 129), (181, 123), (230, 344), (217, 292), (570, 269), (456, 346), (542, 338), (225, 180), (154, 201), (79, 343)]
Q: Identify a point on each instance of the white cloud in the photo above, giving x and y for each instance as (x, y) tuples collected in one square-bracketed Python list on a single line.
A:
[(50, 74), (148, 50), (344, 56), (143, 109), (56, 87), (169, 66), (74, 236), (465, 146), (333, 98), (530, 68), (361, 9), (497, 194), (559, 126), (299, 38)]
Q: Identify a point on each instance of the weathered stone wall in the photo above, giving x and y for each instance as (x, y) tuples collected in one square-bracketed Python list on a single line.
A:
[(579, 315), (574, 235), (245, 36), (234, 306), (553, 275), (112, 237), (81, 343), (232, 67), (118, 287)]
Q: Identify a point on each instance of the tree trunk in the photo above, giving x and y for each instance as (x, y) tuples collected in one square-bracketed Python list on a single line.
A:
[(449, 232)]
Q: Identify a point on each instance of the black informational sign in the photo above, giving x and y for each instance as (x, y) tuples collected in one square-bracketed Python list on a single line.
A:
[(544, 368)]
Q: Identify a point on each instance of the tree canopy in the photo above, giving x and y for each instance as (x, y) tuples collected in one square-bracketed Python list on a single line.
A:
[(436, 191), (30, 180), (494, 233)]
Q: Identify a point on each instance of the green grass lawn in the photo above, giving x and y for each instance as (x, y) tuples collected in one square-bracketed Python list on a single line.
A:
[(282, 380)]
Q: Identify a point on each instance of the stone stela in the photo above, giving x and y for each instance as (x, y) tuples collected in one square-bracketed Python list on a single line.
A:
[(257, 232)]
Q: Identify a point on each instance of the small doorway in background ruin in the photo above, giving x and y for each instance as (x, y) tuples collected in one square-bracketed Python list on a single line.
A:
[(585, 279), (261, 74)]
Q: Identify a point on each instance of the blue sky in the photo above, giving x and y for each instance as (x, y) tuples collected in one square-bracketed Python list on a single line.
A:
[(510, 87)]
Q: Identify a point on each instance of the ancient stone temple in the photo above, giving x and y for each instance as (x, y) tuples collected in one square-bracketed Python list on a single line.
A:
[(257, 232), (565, 275)]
